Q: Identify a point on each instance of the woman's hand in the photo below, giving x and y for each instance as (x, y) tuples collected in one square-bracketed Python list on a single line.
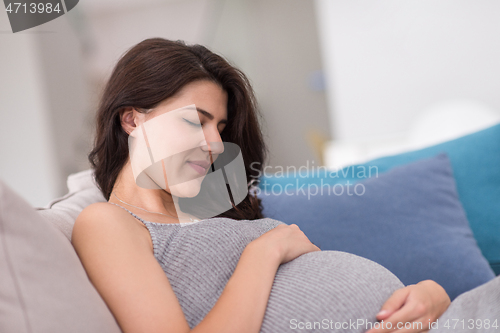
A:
[(286, 241), (417, 306)]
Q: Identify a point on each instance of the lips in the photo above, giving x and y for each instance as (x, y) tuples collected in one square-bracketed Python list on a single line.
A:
[(200, 166)]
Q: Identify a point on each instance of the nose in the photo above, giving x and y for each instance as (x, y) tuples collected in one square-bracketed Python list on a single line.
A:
[(212, 143)]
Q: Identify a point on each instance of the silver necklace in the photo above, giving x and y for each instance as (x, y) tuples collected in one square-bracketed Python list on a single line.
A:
[(190, 218)]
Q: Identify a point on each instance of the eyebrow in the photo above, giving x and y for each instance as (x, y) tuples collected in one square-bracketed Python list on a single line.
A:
[(209, 115)]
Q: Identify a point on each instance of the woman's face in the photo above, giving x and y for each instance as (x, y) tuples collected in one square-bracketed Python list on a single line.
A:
[(183, 135)]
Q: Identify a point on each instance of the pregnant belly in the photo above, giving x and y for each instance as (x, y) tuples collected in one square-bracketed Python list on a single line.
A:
[(327, 291)]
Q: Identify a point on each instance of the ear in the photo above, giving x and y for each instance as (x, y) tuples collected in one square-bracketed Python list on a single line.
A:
[(129, 119)]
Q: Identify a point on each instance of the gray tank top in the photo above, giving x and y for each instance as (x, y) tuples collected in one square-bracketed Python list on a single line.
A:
[(312, 293)]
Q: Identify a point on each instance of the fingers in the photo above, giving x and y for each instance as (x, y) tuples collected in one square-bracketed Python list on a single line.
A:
[(412, 317), (395, 302), (315, 248), (407, 315), (396, 322)]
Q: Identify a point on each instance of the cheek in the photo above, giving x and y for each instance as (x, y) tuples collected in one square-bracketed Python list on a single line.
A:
[(178, 162), (174, 169)]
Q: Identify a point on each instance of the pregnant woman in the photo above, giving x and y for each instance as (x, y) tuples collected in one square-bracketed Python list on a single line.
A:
[(162, 270)]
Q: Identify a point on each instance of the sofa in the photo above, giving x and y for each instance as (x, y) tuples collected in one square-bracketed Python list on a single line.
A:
[(427, 214)]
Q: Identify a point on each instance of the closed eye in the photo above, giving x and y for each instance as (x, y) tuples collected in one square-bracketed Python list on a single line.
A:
[(191, 123)]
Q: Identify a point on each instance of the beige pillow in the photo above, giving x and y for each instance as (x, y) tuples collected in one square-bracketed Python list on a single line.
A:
[(62, 212), (43, 285)]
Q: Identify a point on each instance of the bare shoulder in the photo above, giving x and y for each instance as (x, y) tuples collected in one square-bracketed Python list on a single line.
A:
[(101, 211), (104, 220)]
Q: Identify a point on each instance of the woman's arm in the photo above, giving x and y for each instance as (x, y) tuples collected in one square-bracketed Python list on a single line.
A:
[(123, 269), (242, 304)]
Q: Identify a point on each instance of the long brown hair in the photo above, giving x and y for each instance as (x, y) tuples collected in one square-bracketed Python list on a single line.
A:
[(156, 69)]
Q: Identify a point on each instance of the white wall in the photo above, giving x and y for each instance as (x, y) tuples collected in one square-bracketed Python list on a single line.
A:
[(44, 104), (275, 42), (388, 60), (27, 157), (116, 28), (61, 54)]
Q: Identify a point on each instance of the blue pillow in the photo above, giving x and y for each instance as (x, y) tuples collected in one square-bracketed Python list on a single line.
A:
[(475, 160), (409, 220)]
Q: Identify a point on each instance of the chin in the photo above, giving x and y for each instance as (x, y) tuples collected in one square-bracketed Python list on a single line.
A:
[(187, 189)]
